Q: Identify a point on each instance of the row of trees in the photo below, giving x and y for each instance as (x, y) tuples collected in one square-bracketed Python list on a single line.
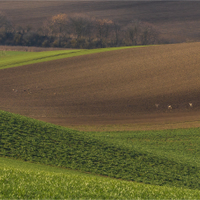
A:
[(78, 31)]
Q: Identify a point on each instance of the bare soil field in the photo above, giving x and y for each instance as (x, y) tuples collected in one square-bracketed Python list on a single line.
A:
[(176, 20), (130, 88)]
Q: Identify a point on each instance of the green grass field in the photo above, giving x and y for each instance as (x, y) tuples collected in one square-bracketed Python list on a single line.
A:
[(133, 156), (27, 180), (4, 54), (179, 144), (14, 58)]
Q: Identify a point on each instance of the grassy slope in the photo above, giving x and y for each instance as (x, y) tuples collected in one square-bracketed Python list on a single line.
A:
[(13, 59), (4, 54), (39, 142), (27, 180), (178, 144)]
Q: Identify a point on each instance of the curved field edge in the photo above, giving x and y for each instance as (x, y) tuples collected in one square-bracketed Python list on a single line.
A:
[(8, 59), (31, 140), (27, 180)]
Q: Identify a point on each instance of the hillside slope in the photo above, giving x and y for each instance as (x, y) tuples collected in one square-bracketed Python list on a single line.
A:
[(120, 86), (31, 140), (29, 181)]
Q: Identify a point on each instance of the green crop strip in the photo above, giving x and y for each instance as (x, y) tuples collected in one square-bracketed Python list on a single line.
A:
[(21, 180), (4, 54), (10, 59), (39, 142)]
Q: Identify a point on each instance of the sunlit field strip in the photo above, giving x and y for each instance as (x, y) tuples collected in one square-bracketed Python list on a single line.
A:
[(4, 53), (27, 180), (8, 59)]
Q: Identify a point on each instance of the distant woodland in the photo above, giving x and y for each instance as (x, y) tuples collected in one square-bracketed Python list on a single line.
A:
[(98, 23), (78, 31)]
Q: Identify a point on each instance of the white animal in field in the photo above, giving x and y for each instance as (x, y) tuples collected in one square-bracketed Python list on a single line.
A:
[(169, 107), (190, 104)]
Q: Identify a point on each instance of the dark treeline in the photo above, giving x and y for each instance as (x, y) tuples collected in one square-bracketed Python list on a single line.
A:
[(78, 31)]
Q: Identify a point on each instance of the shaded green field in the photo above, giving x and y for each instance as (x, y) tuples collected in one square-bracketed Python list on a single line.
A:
[(179, 144), (27, 180), (14, 58), (31, 140)]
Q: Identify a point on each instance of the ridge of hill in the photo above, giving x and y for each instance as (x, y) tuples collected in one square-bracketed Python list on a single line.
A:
[(19, 58)]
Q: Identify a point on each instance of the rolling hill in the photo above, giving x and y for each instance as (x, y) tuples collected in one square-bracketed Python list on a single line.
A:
[(141, 88), (169, 157), (115, 87)]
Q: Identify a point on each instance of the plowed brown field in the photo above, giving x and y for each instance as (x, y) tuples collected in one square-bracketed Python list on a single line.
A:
[(118, 87)]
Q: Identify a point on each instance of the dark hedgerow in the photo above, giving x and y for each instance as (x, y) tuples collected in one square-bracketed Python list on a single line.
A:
[(31, 140)]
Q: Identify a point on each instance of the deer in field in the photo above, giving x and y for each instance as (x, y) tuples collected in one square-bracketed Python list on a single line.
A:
[(169, 107), (190, 104)]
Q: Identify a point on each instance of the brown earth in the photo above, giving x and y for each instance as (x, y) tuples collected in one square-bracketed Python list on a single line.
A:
[(176, 20), (111, 90)]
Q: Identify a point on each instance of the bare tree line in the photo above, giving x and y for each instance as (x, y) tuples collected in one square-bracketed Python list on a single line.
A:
[(78, 31)]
